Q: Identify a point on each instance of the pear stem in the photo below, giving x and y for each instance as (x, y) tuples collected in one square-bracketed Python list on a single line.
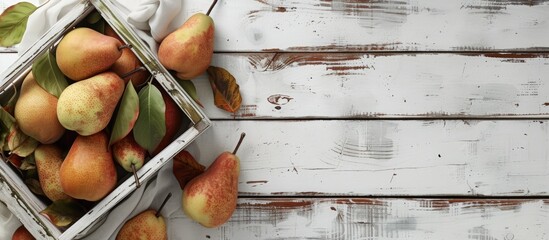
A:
[(162, 206), (125, 46), (137, 183), (211, 7), (138, 69), (239, 142)]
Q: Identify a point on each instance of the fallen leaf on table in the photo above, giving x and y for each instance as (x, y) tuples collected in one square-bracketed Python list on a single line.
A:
[(225, 89), (185, 168)]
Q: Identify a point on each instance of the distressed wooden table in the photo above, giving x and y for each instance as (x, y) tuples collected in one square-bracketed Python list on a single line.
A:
[(382, 119)]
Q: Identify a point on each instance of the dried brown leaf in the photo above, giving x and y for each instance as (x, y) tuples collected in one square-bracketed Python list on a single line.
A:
[(185, 168), (225, 89)]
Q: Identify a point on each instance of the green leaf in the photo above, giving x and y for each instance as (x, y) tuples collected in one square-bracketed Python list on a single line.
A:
[(13, 23), (6, 122), (19, 143), (150, 126), (47, 74), (10, 106), (34, 185), (127, 114), (189, 87), (95, 21), (28, 163), (6, 118), (63, 213)]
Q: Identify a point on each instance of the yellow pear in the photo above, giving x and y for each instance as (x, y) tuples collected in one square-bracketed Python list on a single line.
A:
[(87, 106), (189, 49), (88, 171), (84, 52), (48, 158), (210, 198), (36, 112), (144, 226), (147, 225)]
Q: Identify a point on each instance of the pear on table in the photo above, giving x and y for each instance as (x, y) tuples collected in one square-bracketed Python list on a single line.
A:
[(210, 198), (48, 158), (36, 108), (84, 52), (189, 49), (88, 171), (148, 224), (87, 106)]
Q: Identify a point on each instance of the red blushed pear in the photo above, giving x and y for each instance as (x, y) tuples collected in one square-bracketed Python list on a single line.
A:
[(210, 198), (87, 106), (129, 155), (149, 224), (127, 63), (22, 234), (84, 52), (88, 171), (189, 49), (174, 119)]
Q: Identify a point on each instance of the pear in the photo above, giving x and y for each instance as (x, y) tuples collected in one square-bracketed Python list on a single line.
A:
[(87, 106), (189, 49), (147, 225), (129, 155), (48, 162), (36, 112), (127, 63), (88, 171), (22, 234), (84, 52), (174, 119), (210, 198)]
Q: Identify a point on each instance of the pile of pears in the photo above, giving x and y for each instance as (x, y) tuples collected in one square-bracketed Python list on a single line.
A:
[(74, 158)]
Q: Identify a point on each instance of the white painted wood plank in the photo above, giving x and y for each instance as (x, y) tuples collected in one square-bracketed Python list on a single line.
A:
[(6, 59), (383, 219), (386, 25), (385, 158), (355, 85)]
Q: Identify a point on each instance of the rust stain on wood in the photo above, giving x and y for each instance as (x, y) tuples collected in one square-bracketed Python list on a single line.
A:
[(286, 204), (499, 6), (335, 64), (348, 48), (257, 182), (502, 204), (369, 13), (279, 99)]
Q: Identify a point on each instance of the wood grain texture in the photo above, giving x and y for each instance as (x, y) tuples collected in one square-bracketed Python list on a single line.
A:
[(363, 218), (357, 85), (377, 25), (385, 158)]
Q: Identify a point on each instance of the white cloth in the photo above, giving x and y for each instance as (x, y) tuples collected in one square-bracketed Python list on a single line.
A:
[(154, 19)]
